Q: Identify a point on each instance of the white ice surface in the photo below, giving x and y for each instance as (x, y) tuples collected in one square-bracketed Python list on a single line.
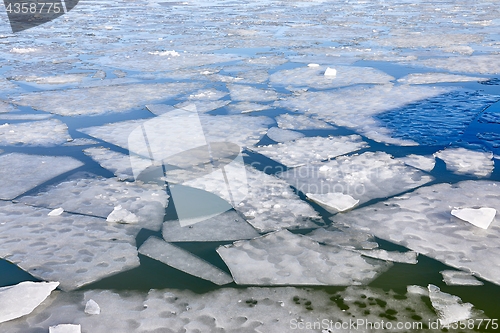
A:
[(228, 226), (421, 221), (408, 257), (15, 116), (282, 258), (247, 107), (119, 98), (20, 172), (459, 278), (281, 135), (480, 217), (305, 151), (183, 260), (80, 142), (364, 177), (349, 238), (92, 308), (333, 202), (300, 122), (425, 163), (45, 133), (477, 64), (467, 162), (449, 308), (21, 299), (95, 196), (72, 249), (202, 105), (250, 94), (56, 212), (428, 78), (65, 328)]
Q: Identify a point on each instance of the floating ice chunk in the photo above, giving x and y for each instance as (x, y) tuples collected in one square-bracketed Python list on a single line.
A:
[(282, 258), (364, 177), (421, 221), (480, 217), (183, 260), (427, 78), (72, 249), (65, 328), (408, 257), (92, 308), (449, 308), (121, 215), (281, 135), (250, 94), (56, 212), (20, 172), (468, 162), (5, 107), (118, 98), (313, 65), (300, 122), (332, 72), (228, 226), (247, 107), (118, 163), (202, 105), (159, 109), (459, 278), (334, 202), (13, 116), (349, 238), (482, 64), (166, 53), (417, 290), (312, 149), (207, 95), (54, 79), (38, 133), (21, 299), (142, 204), (425, 163), (80, 142)]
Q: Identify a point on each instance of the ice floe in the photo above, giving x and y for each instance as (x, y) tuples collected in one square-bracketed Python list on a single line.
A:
[(21, 172), (300, 122), (228, 226), (408, 257), (15, 116), (422, 222), (425, 163), (21, 299), (281, 135), (312, 149), (72, 249), (118, 98), (364, 177), (467, 162), (333, 202), (349, 238), (247, 107), (282, 258), (250, 94), (449, 308), (428, 78), (480, 217), (183, 260), (65, 328), (459, 278), (92, 308), (481, 64), (45, 133), (141, 204)]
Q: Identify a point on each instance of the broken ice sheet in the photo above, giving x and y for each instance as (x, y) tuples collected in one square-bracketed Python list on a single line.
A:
[(94, 196), (228, 226), (300, 122), (282, 258), (364, 177), (349, 238), (316, 77), (118, 98), (21, 299), (250, 94), (280, 135), (425, 163), (46, 133), (480, 217), (421, 221), (459, 278), (72, 249), (247, 107), (65, 328), (427, 78), (449, 308), (481, 64), (202, 106), (183, 260), (463, 161), (305, 151), (333, 202), (20, 172)]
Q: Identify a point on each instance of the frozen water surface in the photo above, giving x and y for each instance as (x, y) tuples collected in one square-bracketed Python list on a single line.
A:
[(466, 161), (300, 122), (425, 163), (459, 278), (281, 135), (38, 133), (427, 78), (65, 328)]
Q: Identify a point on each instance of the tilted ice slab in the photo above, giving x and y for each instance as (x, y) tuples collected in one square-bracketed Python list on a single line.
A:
[(333, 202), (312, 149), (72, 249), (118, 163), (228, 226), (270, 204), (408, 257), (300, 122), (364, 177), (20, 172), (254, 309), (427, 78), (36, 134), (463, 161), (250, 94), (101, 196), (282, 258), (100, 100), (459, 278), (480, 217), (318, 78), (281, 135), (425, 163), (422, 221), (183, 260), (238, 129), (21, 299), (449, 308)]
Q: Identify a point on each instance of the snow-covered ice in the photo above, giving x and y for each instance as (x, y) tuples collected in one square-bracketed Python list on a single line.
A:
[(425, 163), (65, 328), (247, 107), (300, 122), (241, 92), (459, 278), (183, 260), (480, 217), (21, 299), (467, 162), (428, 78), (408, 257), (282, 258), (56, 212), (45, 133), (449, 308), (333, 202), (21, 172), (281, 135)]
